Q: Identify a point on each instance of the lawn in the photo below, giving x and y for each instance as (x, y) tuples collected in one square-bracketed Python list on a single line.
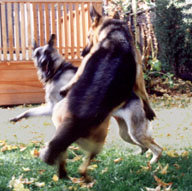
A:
[(117, 168)]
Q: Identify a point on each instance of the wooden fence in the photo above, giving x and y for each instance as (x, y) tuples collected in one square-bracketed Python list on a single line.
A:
[(22, 22)]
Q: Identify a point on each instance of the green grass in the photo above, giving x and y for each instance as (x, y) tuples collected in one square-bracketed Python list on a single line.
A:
[(125, 175), (172, 130)]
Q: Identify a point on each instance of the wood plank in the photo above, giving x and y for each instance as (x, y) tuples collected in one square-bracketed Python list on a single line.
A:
[(47, 21), (4, 33), (59, 27), (17, 47), (53, 18), (89, 17), (20, 98), (17, 65), (66, 32), (17, 90), (71, 29), (10, 30), (78, 29), (35, 24), (83, 24), (20, 86), (14, 77), (41, 17), (23, 40), (29, 30)]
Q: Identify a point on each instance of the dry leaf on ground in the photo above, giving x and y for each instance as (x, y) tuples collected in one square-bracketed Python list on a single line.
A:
[(35, 153), (160, 182), (118, 160), (164, 169), (40, 184), (55, 178), (26, 169)]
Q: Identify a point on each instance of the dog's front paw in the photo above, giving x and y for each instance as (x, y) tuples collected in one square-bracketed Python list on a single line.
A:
[(46, 157), (14, 120)]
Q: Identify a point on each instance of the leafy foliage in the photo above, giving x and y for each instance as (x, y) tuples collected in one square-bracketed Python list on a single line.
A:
[(173, 30)]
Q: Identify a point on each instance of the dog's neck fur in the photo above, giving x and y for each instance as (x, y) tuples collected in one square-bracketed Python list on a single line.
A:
[(62, 67)]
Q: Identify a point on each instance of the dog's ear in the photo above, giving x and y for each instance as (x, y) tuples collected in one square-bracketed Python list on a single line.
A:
[(116, 15), (35, 45), (52, 39), (95, 16)]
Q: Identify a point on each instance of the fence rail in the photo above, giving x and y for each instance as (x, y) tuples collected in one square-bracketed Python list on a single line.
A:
[(24, 21)]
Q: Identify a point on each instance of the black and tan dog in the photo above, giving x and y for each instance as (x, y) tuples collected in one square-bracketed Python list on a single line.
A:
[(102, 84), (95, 37), (54, 72)]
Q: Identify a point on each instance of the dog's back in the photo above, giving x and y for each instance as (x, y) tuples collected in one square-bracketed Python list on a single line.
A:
[(108, 77)]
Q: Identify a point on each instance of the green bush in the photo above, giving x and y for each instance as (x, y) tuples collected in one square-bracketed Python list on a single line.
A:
[(173, 28)]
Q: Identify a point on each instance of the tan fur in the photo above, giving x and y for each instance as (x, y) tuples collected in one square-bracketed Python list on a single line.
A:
[(94, 140), (92, 144), (134, 128)]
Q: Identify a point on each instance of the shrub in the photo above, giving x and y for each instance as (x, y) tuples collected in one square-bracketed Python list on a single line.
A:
[(174, 34)]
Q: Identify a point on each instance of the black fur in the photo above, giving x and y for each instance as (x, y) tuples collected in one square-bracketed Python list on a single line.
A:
[(106, 82)]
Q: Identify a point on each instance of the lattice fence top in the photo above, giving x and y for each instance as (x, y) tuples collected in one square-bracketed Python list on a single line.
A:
[(22, 22)]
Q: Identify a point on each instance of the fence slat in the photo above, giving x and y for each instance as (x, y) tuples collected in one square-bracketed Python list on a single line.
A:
[(22, 21), (89, 17), (47, 21), (29, 30), (4, 32), (78, 29), (71, 29), (53, 18), (17, 47), (83, 24), (10, 30), (41, 24), (35, 22), (65, 29), (23, 42), (59, 27)]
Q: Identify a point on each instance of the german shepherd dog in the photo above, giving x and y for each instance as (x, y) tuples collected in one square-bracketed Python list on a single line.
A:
[(104, 82), (54, 72), (95, 33)]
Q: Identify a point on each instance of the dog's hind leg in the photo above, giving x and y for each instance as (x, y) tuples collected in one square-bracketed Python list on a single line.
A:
[(153, 146), (83, 167), (135, 128), (44, 110), (62, 166), (125, 134)]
